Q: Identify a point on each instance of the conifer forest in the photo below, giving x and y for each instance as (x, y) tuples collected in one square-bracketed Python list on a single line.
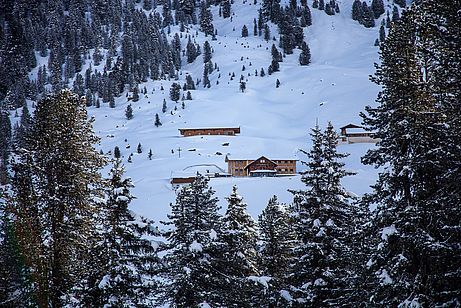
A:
[(230, 153)]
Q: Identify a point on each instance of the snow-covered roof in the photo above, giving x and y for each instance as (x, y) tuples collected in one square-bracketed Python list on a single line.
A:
[(350, 125), (256, 157)]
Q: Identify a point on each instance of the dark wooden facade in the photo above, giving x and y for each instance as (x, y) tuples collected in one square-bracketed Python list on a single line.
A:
[(226, 131), (261, 167), (178, 181)]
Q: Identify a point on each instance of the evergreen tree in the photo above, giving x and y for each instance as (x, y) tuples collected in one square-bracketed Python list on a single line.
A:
[(267, 33), (414, 262), (276, 246), (116, 152), (191, 52), (382, 33), (244, 31), (129, 112), (206, 19), (164, 107), (54, 207), (190, 85), (135, 96), (206, 53), (305, 55), (368, 17), (239, 236), (357, 13), (206, 80), (175, 91), (395, 14), (130, 260), (192, 272), (321, 5), (157, 122), (226, 8), (323, 217), (377, 6), (139, 148)]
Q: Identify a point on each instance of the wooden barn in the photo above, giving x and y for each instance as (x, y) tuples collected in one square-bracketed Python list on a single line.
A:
[(261, 167), (226, 131), (352, 133)]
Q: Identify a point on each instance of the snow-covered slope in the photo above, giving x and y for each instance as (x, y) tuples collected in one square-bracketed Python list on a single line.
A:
[(274, 122)]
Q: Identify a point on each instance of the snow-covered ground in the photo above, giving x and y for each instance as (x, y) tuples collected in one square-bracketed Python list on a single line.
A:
[(275, 122)]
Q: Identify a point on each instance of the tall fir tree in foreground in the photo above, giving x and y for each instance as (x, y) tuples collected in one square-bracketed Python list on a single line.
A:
[(323, 216), (239, 235), (130, 260), (276, 242), (191, 270), (415, 231), (56, 185)]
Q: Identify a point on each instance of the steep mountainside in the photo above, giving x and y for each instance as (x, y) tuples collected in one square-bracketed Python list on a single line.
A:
[(274, 122)]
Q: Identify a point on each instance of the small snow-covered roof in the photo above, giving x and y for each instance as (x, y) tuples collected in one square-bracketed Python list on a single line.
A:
[(256, 157), (350, 125)]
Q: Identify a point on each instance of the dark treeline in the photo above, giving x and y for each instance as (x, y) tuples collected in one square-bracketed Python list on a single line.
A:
[(68, 238)]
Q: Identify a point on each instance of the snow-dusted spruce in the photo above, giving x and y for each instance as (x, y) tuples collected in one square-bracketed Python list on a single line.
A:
[(276, 244), (130, 261), (55, 192), (192, 273), (206, 18), (415, 254), (239, 234), (323, 217)]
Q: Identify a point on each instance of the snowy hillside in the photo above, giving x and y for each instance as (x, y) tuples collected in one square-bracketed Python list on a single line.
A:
[(274, 122)]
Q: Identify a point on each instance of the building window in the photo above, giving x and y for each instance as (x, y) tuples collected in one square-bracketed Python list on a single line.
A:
[(291, 170), (263, 160)]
